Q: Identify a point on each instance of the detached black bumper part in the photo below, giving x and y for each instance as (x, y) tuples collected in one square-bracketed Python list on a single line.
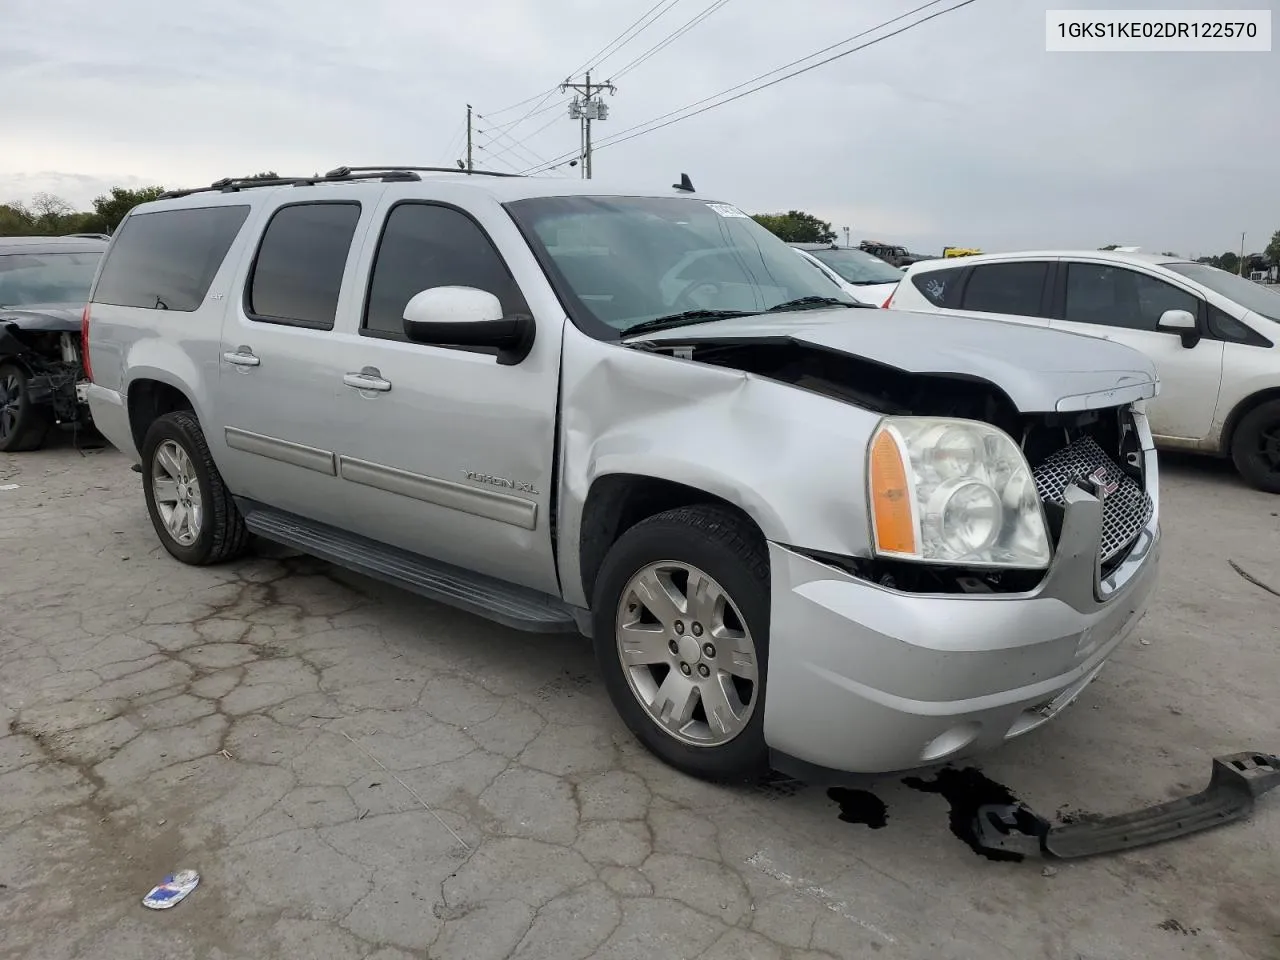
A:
[(1236, 782)]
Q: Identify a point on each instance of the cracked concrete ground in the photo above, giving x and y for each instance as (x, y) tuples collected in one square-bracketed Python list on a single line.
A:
[(357, 773)]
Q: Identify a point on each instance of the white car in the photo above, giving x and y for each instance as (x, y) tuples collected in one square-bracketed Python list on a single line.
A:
[(862, 275), (1211, 334)]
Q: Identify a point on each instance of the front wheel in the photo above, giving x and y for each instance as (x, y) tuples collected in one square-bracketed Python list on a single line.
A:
[(23, 424), (191, 508), (1255, 447), (681, 628)]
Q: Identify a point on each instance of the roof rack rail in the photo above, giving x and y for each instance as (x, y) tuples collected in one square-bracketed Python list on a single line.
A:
[(387, 174), (339, 173)]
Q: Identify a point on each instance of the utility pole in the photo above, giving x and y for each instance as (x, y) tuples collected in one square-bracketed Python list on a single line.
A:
[(468, 138), (1242, 254), (585, 107), (846, 236)]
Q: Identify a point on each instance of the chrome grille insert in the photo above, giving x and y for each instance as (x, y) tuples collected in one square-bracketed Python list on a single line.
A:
[(1126, 509)]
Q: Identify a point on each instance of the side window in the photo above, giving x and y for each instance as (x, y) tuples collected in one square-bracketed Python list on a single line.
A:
[(297, 274), (1119, 297), (423, 246), (1226, 327), (166, 260), (940, 287), (1011, 288)]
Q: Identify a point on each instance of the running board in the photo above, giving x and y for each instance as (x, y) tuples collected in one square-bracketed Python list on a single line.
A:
[(508, 604), (1237, 781)]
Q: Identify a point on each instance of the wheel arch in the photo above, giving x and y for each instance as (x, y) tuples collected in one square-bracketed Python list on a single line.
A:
[(616, 502), (149, 399), (1239, 412)]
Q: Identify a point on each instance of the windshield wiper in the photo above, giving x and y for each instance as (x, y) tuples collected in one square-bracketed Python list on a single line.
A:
[(804, 303), (682, 320)]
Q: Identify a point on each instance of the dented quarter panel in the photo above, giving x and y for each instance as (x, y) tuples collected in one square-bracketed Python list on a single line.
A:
[(794, 461)]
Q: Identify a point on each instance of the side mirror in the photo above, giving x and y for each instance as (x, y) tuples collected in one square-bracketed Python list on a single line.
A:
[(1181, 322), (467, 317)]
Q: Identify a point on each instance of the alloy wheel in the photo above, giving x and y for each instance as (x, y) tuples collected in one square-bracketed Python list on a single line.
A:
[(687, 653), (177, 492)]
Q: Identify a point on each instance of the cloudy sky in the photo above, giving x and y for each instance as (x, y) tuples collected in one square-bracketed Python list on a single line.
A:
[(962, 131)]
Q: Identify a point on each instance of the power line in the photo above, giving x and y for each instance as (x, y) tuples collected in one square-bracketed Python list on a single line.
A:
[(595, 61), (681, 113), (675, 35), (613, 46), (521, 144)]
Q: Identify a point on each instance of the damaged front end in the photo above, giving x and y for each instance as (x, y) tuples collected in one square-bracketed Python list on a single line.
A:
[(55, 375), (1105, 451)]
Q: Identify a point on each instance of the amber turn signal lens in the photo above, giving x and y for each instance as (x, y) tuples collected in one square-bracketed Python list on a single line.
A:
[(894, 525)]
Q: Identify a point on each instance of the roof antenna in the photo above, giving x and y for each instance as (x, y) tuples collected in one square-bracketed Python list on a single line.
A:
[(685, 183)]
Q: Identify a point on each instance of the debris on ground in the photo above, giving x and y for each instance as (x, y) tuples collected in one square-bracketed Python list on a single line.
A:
[(1252, 579), (172, 890)]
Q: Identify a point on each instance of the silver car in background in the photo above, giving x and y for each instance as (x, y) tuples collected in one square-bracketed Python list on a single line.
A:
[(798, 534)]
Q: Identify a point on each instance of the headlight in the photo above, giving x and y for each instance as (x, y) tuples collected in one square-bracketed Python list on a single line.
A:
[(954, 491)]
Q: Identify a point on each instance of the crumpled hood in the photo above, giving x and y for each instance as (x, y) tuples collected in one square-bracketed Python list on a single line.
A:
[(50, 317), (1041, 370)]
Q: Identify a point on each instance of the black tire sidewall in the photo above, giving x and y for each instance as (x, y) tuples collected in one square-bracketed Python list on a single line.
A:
[(170, 427), (1244, 445), (743, 759), (32, 420)]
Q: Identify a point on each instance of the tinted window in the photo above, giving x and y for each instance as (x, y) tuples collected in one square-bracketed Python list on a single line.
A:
[(297, 275), (1226, 327), (425, 246), (1118, 297), (940, 287), (1012, 288), (166, 260), (45, 278)]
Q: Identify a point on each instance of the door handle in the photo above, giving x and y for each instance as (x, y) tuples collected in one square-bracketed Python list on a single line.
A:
[(369, 378), (242, 357)]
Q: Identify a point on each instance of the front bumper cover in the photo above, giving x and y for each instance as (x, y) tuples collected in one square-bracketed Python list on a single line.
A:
[(1236, 782)]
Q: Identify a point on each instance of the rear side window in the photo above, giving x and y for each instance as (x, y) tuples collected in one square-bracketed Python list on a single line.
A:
[(166, 260), (297, 274), (1011, 288), (940, 287), (1226, 327), (425, 246)]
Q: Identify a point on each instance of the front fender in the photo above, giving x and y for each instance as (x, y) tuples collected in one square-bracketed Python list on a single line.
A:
[(792, 460)]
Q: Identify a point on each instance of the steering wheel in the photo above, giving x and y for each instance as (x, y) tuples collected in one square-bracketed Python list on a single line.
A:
[(683, 301)]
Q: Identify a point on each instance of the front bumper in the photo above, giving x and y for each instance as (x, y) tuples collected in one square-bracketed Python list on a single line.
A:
[(865, 679)]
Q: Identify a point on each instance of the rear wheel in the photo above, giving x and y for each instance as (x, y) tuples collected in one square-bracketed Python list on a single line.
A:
[(1255, 447), (23, 424), (681, 623), (191, 508)]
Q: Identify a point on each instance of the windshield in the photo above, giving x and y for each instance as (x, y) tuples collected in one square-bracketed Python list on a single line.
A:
[(1248, 294), (858, 266), (625, 261), (31, 278)]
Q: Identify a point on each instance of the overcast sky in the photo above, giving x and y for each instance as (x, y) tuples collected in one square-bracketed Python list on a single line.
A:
[(963, 131)]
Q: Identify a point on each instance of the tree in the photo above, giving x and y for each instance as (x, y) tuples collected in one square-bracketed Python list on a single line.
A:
[(1229, 261), (112, 208), (1110, 246), (796, 226), (1168, 253), (266, 175), (1272, 252)]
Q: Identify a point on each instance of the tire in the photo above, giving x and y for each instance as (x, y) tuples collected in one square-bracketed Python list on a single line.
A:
[(23, 424), (218, 533), (671, 549), (1255, 447)]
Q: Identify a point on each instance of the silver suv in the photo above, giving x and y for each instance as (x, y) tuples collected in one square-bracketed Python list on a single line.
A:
[(802, 533)]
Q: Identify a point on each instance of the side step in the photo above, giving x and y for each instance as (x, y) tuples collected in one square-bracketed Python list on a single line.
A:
[(508, 604), (1236, 782)]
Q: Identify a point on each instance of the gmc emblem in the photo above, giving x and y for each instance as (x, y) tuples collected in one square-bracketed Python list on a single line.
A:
[(1104, 486)]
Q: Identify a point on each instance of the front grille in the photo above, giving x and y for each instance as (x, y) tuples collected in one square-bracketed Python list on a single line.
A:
[(1125, 511)]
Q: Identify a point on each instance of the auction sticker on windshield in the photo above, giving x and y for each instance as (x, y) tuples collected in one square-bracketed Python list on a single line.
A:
[(726, 209)]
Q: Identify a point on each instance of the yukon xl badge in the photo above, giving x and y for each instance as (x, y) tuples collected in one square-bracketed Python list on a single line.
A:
[(518, 485)]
